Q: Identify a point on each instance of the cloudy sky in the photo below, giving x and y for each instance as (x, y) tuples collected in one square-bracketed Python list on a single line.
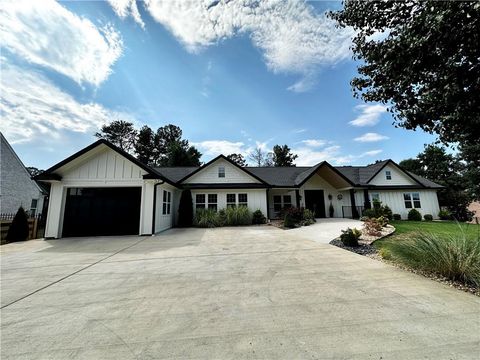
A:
[(233, 75)]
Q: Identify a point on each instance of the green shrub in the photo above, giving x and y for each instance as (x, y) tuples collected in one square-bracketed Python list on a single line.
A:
[(363, 218), (387, 212), (350, 237), (385, 253), (444, 215), (239, 215), (414, 215), (456, 257), (397, 217), (308, 217), (206, 218), (428, 217), (258, 217), (289, 221), (18, 230), (221, 217), (185, 209), (369, 213)]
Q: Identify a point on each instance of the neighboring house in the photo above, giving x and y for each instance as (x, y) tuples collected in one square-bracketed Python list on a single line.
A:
[(102, 190), (16, 186)]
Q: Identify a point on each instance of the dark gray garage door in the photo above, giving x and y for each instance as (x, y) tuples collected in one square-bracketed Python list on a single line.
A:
[(102, 211)]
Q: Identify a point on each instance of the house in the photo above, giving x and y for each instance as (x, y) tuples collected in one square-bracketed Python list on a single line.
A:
[(16, 185), (102, 190)]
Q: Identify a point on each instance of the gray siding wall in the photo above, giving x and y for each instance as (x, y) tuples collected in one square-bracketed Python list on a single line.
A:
[(16, 187)]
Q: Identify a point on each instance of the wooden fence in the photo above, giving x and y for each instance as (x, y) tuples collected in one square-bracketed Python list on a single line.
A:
[(36, 226)]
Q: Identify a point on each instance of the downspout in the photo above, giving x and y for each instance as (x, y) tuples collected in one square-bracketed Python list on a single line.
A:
[(155, 204)]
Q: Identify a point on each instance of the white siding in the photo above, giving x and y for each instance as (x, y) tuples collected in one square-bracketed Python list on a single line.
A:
[(209, 175), (394, 199), (257, 198), (316, 182), (398, 177)]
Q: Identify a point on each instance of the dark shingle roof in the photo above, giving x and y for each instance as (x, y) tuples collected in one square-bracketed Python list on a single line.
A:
[(293, 176)]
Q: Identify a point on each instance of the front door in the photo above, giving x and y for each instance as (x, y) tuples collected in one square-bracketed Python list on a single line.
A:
[(315, 202)]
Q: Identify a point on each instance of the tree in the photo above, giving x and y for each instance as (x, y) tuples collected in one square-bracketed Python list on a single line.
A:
[(18, 230), (283, 156), (260, 157), (237, 159), (120, 133), (412, 165), (179, 155), (422, 57), (145, 146), (469, 154), (34, 171), (185, 209)]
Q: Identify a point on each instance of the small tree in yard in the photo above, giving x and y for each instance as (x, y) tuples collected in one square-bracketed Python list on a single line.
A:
[(18, 230), (185, 209)]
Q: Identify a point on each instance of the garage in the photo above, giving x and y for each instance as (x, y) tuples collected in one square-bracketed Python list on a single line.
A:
[(102, 211)]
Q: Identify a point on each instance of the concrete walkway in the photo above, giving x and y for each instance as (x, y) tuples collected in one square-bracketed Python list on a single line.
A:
[(325, 230), (229, 293)]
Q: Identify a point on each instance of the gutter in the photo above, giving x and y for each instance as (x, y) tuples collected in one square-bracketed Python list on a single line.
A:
[(155, 204)]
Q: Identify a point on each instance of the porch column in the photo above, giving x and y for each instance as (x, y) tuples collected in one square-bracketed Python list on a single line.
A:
[(366, 199), (268, 203), (297, 197), (354, 206)]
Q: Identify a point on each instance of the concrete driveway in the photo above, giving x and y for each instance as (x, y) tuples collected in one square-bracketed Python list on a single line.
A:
[(325, 230), (228, 293)]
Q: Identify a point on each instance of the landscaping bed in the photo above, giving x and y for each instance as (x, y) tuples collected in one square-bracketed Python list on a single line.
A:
[(446, 252)]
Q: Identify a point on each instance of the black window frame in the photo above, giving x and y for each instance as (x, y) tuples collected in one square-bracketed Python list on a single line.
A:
[(241, 202), (221, 171)]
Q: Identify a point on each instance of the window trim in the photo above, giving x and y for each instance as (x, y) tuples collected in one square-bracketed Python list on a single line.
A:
[(33, 209), (374, 196), (221, 171), (213, 205), (242, 203), (231, 203), (388, 175), (412, 201), (166, 202), (206, 204)]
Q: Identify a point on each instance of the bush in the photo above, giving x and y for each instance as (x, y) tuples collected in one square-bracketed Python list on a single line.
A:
[(387, 212), (456, 257), (350, 237), (414, 215), (239, 215), (221, 217), (206, 218), (444, 215), (18, 230), (397, 217), (385, 253), (383, 221), (258, 218), (369, 213), (373, 227), (363, 218), (185, 209), (308, 217), (289, 221), (428, 217)]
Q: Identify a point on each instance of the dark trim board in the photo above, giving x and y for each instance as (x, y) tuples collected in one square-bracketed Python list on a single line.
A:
[(225, 186)]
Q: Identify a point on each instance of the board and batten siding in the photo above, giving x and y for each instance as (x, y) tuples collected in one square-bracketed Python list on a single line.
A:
[(257, 198), (394, 199), (209, 175), (102, 167), (398, 177), (165, 221)]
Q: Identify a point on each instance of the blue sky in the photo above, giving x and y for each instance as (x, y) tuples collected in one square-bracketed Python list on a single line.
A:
[(232, 76)]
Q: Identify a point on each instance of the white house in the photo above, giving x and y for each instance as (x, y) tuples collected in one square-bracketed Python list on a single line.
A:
[(102, 190)]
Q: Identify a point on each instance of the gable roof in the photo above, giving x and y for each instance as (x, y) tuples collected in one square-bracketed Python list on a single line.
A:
[(50, 174), (223, 157)]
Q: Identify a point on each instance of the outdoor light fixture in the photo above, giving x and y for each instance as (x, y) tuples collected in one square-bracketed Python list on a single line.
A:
[(339, 196)]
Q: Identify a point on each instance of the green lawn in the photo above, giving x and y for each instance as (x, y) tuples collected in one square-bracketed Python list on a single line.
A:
[(435, 227)]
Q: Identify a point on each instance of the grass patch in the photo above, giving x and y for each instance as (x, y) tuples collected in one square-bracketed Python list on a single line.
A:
[(446, 248)]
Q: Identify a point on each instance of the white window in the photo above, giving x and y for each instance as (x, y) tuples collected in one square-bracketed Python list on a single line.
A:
[(33, 207), (242, 199), (200, 201), (221, 171), (231, 200), (388, 175), (412, 200), (212, 201), (167, 203), (375, 197)]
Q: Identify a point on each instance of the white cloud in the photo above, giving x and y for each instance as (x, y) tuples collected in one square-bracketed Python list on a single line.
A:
[(292, 36), (369, 114), (32, 107), (314, 142), (299, 131), (371, 137), (372, 152), (125, 8), (47, 34), (217, 147)]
